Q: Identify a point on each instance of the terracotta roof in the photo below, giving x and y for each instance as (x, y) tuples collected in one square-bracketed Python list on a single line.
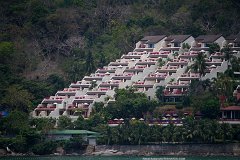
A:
[(177, 38), (208, 38), (153, 39), (231, 108)]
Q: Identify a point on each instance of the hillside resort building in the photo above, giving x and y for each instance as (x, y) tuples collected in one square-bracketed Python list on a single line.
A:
[(141, 69)]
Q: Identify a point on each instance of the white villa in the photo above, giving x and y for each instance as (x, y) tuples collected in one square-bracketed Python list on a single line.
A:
[(141, 70)]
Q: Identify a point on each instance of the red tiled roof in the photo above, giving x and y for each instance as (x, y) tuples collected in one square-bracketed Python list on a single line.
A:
[(231, 108)]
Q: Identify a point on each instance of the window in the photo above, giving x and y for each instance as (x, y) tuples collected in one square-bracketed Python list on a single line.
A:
[(150, 45), (207, 45), (176, 44)]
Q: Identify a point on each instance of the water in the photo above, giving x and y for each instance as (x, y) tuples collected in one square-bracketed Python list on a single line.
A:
[(122, 158)]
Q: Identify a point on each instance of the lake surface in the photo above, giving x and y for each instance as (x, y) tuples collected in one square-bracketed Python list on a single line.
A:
[(122, 158)]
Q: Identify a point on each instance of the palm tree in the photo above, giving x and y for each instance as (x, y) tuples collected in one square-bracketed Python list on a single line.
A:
[(200, 64), (223, 85)]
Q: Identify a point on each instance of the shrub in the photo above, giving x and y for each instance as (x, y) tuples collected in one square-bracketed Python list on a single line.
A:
[(44, 148)]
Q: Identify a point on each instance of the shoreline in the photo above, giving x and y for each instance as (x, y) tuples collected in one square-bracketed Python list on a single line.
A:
[(231, 149)]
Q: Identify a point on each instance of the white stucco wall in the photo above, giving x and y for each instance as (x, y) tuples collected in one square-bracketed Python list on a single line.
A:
[(220, 41), (159, 45), (190, 41)]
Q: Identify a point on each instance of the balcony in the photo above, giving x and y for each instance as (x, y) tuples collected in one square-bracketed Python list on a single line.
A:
[(143, 47), (162, 54), (135, 69), (170, 47), (68, 92), (174, 92), (111, 84), (199, 47), (84, 106), (83, 99), (189, 76), (131, 57), (136, 53), (177, 62), (188, 55), (148, 62), (142, 85), (217, 55), (106, 70), (156, 76), (80, 84), (99, 92), (216, 62), (122, 76), (53, 99), (178, 85), (118, 64), (167, 69), (97, 77)]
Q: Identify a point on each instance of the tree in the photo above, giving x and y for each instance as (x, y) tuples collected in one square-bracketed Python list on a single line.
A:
[(89, 63), (210, 109), (138, 132), (161, 62), (226, 132), (95, 120), (130, 104), (102, 60), (160, 93), (200, 64), (168, 133), (80, 123), (64, 122), (43, 124), (6, 52), (223, 85), (17, 98), (93, 84), (227, 54), (186, 46), (214, 48), (15, 123), (156, 133), (175, 54), (57, 81)]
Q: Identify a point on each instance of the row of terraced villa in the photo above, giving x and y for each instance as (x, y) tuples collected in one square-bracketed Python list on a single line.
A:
[(140, 69)]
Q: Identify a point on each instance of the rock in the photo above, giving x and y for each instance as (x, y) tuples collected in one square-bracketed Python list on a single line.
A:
[(3, 152), (59, 151)]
